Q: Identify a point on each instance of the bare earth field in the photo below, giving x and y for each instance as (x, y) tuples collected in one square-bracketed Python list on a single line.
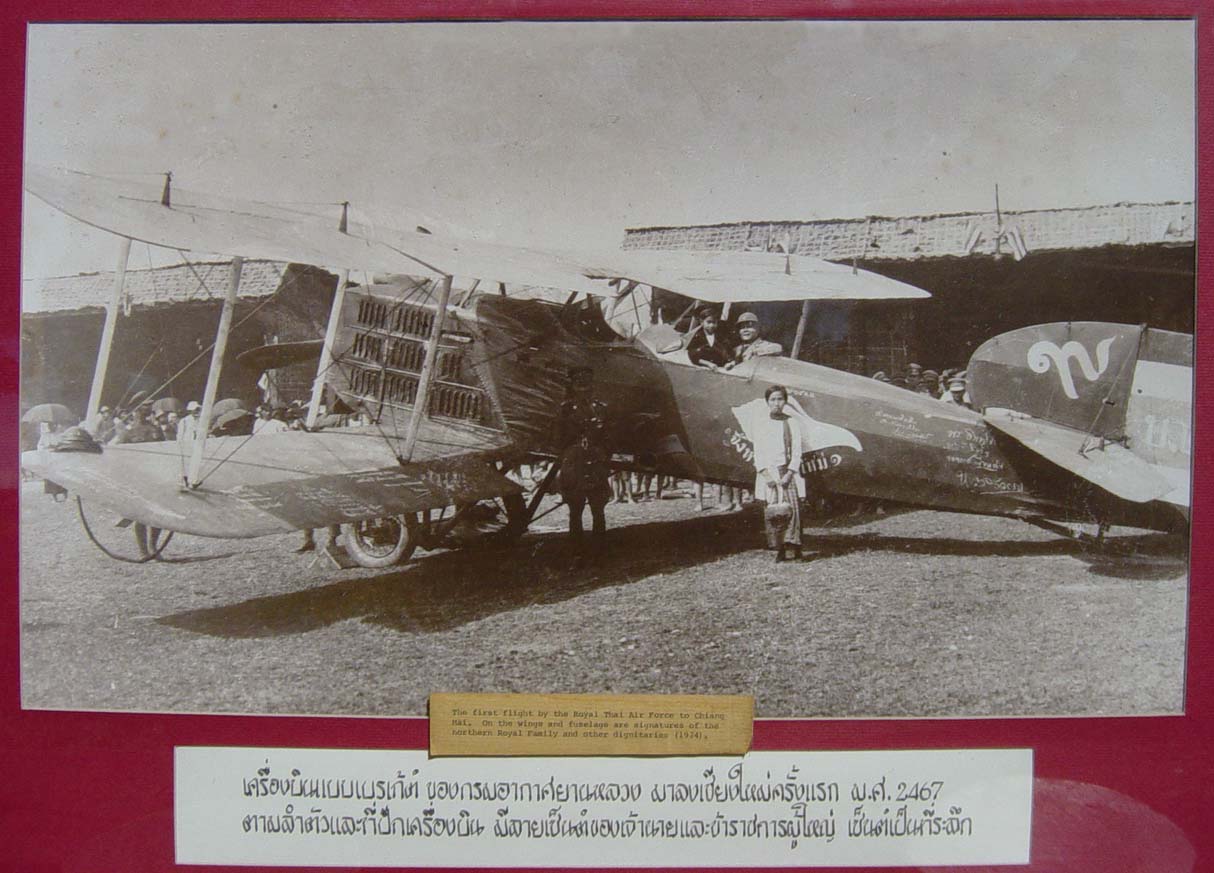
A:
[(918, 614)]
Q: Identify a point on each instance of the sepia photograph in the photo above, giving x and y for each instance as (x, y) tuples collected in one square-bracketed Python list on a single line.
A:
[(843, 364)]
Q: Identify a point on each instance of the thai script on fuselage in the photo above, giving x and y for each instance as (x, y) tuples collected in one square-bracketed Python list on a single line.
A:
[(982, 462), (974, 448), (988, 484), (740, 444), (1043, 354), (902, 425), (820, 462)]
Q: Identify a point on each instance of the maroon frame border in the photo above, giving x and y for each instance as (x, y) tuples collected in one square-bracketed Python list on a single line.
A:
[(88, 791)]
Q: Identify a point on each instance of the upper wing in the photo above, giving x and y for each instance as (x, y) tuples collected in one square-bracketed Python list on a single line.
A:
[(199, 222), (749, 277), (273, 483), (205, 223)]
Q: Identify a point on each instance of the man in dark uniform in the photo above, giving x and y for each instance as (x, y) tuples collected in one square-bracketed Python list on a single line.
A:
[(582, 442)]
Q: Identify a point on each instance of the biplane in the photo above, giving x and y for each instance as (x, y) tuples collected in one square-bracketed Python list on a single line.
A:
[(1078, 422)]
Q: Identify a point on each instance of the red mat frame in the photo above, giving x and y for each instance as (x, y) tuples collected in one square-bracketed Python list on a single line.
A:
[(93, 792)]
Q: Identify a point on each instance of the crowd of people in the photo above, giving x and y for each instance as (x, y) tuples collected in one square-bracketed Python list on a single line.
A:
[(951, 386), (145, 422)]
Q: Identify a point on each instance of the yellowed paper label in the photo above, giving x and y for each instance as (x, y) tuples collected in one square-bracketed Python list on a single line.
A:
[(590, 724)]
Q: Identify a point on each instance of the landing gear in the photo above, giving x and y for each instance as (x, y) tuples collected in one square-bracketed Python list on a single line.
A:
[(381, 542), (473, 525)]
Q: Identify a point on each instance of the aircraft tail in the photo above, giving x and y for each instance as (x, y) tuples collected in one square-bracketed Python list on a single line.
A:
[(1112, 403)]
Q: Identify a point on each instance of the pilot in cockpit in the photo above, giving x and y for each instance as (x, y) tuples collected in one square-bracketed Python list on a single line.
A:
[(709, 347), (750, 341)]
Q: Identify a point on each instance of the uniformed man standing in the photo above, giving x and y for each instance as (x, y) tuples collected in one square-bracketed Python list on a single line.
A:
[(582, 443)]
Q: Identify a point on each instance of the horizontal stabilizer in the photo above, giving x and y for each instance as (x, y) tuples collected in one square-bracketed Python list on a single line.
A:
[(1110, 466)]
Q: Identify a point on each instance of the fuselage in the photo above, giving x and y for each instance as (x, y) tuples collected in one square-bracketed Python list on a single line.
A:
[(508, 370)]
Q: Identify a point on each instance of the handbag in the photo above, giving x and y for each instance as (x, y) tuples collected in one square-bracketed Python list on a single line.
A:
[(779, 512)]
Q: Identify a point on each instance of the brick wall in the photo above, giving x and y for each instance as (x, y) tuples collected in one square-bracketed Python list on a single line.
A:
[(931, 236)]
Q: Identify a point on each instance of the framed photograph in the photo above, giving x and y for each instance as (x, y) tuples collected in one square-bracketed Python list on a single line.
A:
[(842, 362)]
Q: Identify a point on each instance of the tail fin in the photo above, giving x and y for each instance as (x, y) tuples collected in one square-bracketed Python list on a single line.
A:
[(1105, 383)]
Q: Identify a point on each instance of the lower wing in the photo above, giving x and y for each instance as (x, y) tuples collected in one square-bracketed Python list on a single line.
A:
[(265, 484)]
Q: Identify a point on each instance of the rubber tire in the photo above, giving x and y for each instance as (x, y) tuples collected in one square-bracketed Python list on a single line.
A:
[(400, 552)]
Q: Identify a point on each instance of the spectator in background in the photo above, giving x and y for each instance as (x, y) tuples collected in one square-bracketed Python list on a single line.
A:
[(102, 425), (267, 423), (169, 428), (187, 427), (958, 391)]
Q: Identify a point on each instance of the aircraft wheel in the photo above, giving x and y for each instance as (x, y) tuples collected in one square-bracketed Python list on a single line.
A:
[(380, 542)]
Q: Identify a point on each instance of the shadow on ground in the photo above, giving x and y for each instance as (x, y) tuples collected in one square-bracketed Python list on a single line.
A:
[(449, 589)]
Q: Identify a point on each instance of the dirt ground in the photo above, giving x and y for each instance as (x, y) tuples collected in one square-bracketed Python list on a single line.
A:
[(914, 614)]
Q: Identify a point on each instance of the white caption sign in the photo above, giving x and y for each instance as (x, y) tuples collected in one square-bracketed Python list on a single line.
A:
[(401, 808)]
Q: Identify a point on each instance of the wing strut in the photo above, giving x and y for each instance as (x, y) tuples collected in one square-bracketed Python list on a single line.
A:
[(801, 323), (107, 334), (208, 397), (326, 350), (427, 373)]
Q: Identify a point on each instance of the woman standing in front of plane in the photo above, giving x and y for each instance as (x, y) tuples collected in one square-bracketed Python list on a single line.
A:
[(778, 480)]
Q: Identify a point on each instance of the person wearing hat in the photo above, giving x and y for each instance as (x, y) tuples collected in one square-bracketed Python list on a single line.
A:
[(267, 422), (140, 429), (946, 376), (929, 383), (958, 392), (708, 346), (102, 425), (187, 427), (914, 374), (169, 426), (581, 442), (750, 341), (880, 376)]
